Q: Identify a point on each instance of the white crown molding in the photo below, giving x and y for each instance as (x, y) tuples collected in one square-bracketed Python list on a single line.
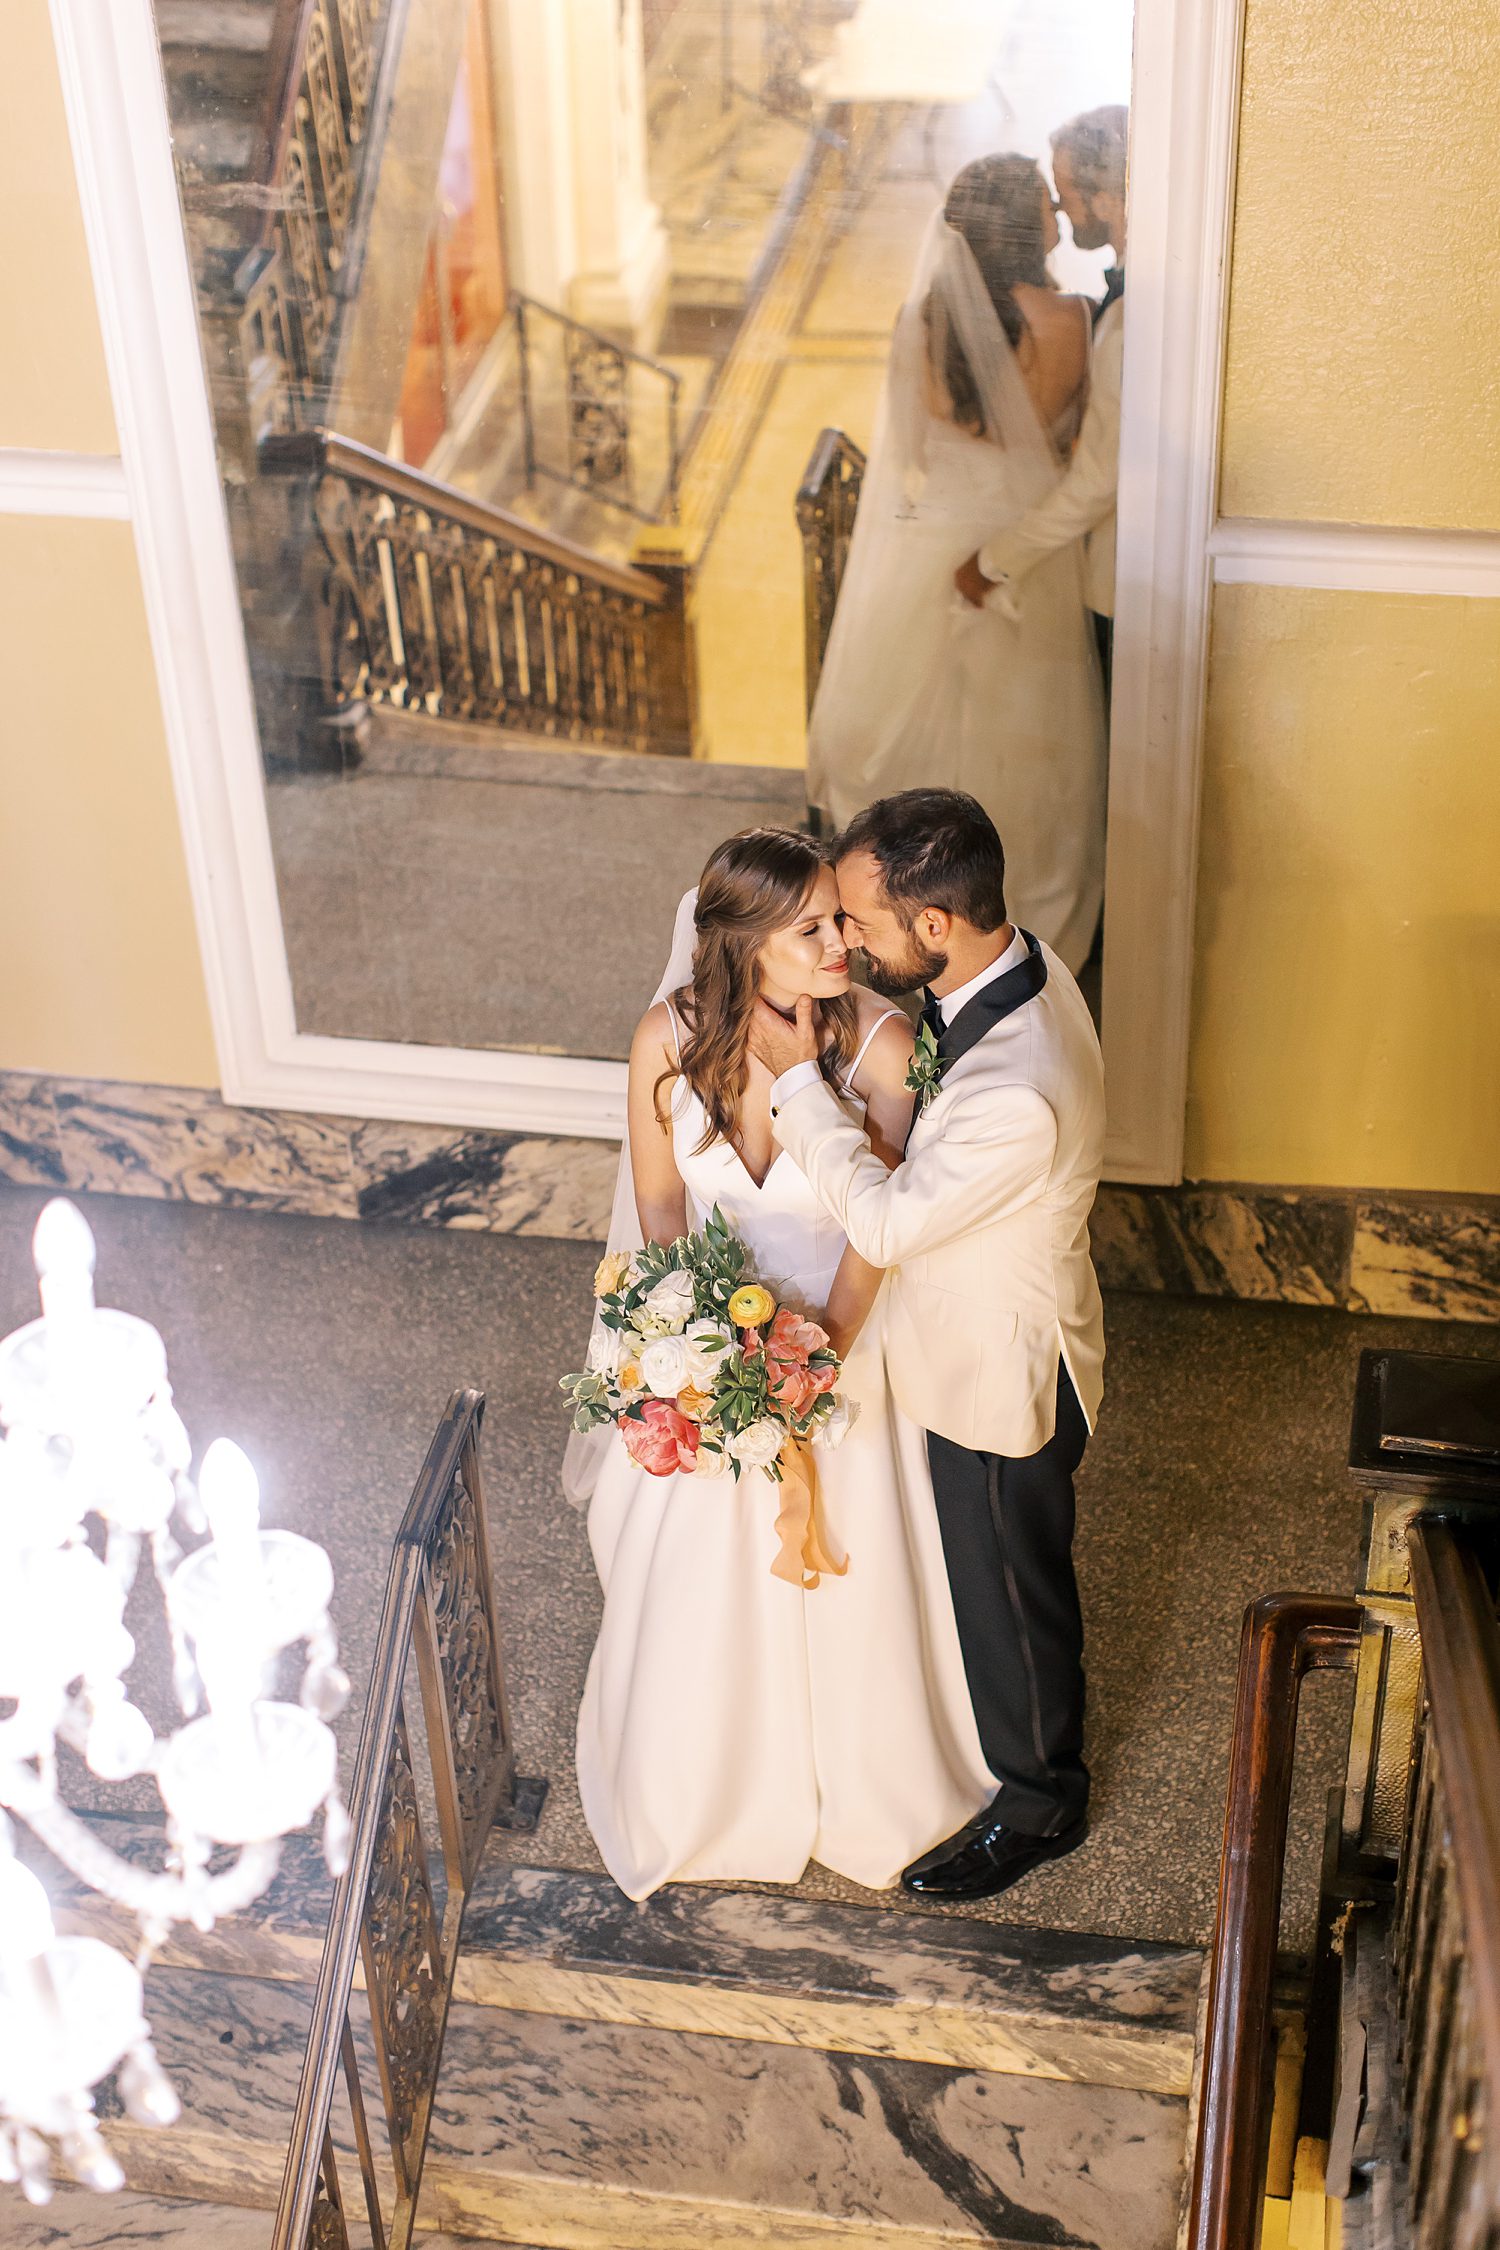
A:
[(1355, 558), (34, 482)]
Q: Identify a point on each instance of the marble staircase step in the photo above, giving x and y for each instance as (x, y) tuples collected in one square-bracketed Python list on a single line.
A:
[(78, 2219), (715, 1961), (549, 2129)]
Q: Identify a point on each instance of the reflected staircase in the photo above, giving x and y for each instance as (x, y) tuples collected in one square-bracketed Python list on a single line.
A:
[(367, 585)]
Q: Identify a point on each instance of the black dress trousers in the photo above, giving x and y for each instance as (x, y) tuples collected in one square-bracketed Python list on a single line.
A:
[(1007, 1528)]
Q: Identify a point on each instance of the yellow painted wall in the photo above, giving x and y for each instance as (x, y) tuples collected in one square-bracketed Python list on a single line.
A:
[(1346, 1015), (1363, 378), (1346, 1026), (54, 391), (102, 976)]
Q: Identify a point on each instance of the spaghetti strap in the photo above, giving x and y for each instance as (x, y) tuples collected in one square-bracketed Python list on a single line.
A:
[(672, 1020), (864, 1044)]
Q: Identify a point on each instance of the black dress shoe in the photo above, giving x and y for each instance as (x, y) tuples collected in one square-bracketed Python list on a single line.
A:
[(986, 1857)]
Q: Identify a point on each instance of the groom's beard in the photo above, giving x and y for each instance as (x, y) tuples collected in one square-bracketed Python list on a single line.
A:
[(919, 965)]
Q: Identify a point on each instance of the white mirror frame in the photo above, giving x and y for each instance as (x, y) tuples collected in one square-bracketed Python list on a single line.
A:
[(1184, 107)]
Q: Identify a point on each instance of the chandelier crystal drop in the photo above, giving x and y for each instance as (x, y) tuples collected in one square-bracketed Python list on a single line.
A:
[(94, 1467)]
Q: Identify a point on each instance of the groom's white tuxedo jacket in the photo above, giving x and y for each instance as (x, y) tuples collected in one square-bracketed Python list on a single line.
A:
[(984, 1227)]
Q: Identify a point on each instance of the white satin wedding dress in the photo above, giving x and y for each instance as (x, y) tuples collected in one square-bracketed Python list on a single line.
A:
[(736, 1726)]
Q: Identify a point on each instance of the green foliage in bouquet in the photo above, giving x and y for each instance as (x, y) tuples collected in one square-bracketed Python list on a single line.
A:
[(692, 1344)]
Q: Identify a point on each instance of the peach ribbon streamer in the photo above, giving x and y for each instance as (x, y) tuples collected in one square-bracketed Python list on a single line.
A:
[(803, 1556)]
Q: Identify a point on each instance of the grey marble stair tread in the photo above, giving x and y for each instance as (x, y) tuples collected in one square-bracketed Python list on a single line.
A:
[(748, 1964), (80, 2219), (548, 2129), (858, 1979)]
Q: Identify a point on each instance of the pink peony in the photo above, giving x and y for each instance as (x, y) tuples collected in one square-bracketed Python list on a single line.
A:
[(661, 1439), (789, 1345)]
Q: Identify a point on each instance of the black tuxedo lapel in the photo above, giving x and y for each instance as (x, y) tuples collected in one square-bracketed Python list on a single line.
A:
[(1114, 287), (998, 999)]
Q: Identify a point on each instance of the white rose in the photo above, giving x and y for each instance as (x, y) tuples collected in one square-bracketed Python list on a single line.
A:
[(831, 1431), (710, 1462), (672, 1299), (757, 1447), (707, 1352), (604, 1351), (664, 1366)]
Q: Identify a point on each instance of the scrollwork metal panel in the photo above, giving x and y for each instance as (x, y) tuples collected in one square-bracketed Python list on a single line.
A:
[(464, 1674), (404, 1966)]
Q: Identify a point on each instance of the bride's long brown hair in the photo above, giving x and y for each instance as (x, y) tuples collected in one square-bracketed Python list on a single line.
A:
[(755, 884)]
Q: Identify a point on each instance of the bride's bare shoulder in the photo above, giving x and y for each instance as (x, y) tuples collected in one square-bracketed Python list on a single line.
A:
[(653, 1036), (887, 1029)]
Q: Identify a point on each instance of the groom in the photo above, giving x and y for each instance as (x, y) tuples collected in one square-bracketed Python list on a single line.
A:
[(995, 1332)]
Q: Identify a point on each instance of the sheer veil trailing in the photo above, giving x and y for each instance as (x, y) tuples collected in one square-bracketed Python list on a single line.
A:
[(917, 685), (584, 1453)]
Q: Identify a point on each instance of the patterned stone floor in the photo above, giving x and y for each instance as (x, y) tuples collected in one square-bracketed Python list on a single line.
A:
[(329, 1351)]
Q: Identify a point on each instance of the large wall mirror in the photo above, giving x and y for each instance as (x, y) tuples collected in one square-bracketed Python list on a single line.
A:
[(609, 397)]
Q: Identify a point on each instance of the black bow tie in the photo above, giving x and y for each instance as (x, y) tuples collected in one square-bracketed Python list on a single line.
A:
[(1114, 288), (931, 1018)]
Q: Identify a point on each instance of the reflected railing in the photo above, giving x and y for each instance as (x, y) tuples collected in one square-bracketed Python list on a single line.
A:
[(826, 502), (323, 101), (1447, 1927), (395, 1914), (427, 601), (596, 415)]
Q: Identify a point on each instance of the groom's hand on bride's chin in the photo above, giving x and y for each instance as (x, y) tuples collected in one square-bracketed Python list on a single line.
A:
[(781, 1045)]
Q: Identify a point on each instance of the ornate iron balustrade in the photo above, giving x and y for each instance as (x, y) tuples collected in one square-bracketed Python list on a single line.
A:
[(1447, 1929), (827, 499), (440, 1603), (596, 415), (324, 96), (428, 601)]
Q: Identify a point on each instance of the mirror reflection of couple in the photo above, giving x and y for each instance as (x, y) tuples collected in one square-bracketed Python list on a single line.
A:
[(971, 642), (919, 1718)]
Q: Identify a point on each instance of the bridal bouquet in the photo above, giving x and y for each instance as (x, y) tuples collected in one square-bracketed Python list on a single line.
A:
[(700, 1369)]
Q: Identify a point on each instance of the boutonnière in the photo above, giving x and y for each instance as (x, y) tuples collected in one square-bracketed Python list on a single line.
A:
[(926, 1073)]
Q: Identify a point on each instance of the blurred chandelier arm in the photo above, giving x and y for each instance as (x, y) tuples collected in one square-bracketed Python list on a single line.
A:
[(158, 1897), (94, 1465)]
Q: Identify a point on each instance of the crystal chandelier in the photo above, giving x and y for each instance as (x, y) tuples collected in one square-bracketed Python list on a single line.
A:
[(94, 1464)]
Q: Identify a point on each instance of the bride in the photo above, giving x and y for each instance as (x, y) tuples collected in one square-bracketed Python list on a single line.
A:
[(734, 1724), (984, 394)]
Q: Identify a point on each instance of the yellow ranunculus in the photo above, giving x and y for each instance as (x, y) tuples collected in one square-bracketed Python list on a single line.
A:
[(751, 1306), (629, 1377), (610, 1272)]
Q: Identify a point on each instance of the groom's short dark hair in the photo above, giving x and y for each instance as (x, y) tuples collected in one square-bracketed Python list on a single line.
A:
[(934, 847)]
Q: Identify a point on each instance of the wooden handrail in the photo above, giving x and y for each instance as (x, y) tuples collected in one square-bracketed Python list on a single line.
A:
[(314, 451), (1285, 1637), (1461, 1670)]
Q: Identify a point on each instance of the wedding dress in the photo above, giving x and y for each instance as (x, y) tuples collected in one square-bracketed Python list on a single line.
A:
[(734, 1725), (921, 689)]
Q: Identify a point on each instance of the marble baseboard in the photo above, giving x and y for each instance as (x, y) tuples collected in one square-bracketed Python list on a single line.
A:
[(1426, 1257), (552, 2130)]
